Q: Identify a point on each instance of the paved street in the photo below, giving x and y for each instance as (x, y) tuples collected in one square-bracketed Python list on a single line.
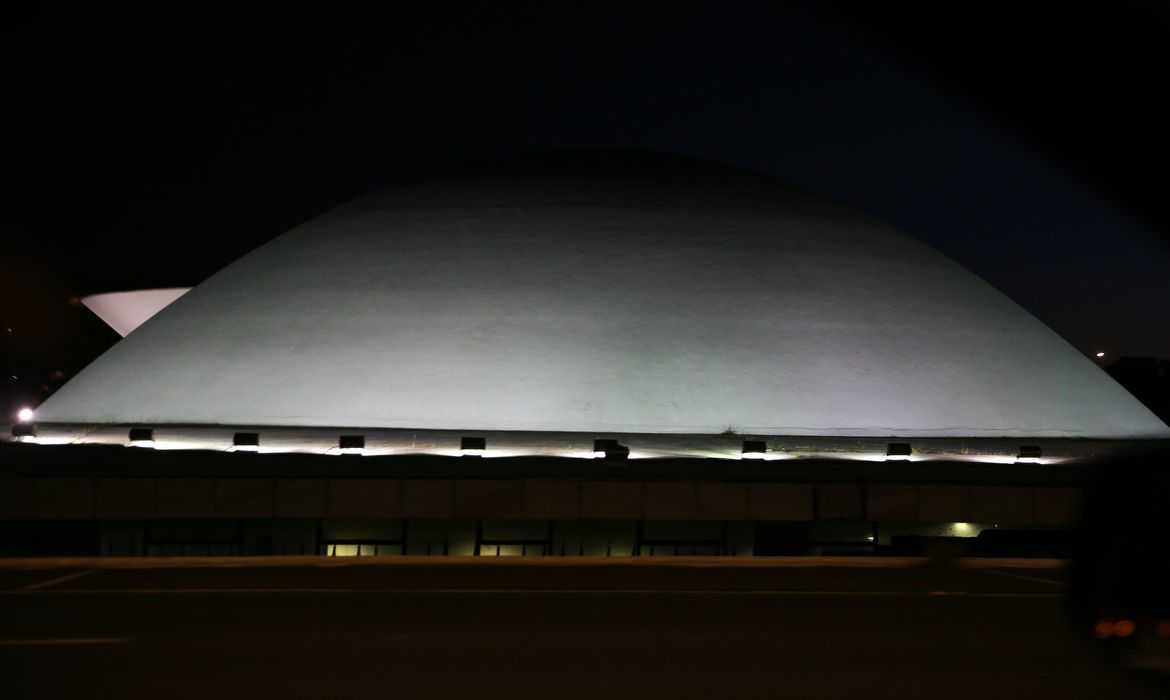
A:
[(417, 629)]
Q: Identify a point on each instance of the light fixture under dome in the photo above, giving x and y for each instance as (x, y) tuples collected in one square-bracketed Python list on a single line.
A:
[(898, 450), (24, 431), (473, 447), (352, 444), (754, 449), (1029, 454), (246, 442), (141, 437), (609, 449), (26, 415)]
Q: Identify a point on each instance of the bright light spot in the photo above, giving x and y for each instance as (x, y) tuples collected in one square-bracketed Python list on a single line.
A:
[(25, 415), (244, 448), (963, 529), (753, 455), (1103, 629), (575, 454), (870, 538), (599, 454), (1028, 460), (47, 440), (473, 452), (180, 445), (353, 451), (1100, 354), (780, 455), (986, 459), (141, 443)]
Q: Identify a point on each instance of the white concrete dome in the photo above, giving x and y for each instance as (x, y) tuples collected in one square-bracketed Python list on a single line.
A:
[(676, 299)]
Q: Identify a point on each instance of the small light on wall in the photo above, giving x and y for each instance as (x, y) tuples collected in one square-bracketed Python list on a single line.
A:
[(898, 450), (609, 449), (25, 415), (141, 437), (964, 530), (1029, 454), (754, 449), (352, 444), (1100, 354), (246, 442), (472, 447)]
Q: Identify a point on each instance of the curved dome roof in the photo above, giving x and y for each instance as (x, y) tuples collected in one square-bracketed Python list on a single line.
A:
[(592, 300)]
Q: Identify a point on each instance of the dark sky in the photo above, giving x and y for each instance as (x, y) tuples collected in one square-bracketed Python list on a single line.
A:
[(150, 145)]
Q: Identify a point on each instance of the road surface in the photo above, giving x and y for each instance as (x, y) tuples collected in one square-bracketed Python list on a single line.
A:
[(415, 629)]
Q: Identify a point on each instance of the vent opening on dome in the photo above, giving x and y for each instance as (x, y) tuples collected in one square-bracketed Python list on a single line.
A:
[(473, 446), (754, 449), (1029, 454), (246, 442), (141, 437), (352, 444), (898, 450), (610, 449)]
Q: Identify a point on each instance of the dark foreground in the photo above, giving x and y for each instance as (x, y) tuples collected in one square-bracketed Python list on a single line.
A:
[(424, 631)]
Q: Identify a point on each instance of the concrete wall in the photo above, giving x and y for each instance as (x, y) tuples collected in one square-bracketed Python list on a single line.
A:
[(530, 499)]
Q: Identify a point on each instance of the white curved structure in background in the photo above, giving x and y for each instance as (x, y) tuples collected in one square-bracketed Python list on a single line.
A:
[(125, 311), (602, 305)]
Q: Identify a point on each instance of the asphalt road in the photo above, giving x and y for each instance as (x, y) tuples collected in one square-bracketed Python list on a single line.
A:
[(416, 630)]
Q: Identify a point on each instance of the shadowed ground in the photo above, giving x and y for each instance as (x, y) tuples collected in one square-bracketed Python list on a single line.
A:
[(584, 629)]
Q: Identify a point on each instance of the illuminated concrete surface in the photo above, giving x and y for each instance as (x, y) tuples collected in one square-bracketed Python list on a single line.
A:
[(126, 311), (602, 306)]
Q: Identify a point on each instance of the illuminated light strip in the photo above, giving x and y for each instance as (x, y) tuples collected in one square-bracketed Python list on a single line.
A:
[(311, 442), (34, 439)]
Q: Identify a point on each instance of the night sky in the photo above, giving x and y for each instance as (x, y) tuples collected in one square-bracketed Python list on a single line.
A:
[(149, 146)]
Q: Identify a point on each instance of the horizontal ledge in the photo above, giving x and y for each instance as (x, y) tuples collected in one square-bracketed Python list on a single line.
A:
[(682, 562)]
